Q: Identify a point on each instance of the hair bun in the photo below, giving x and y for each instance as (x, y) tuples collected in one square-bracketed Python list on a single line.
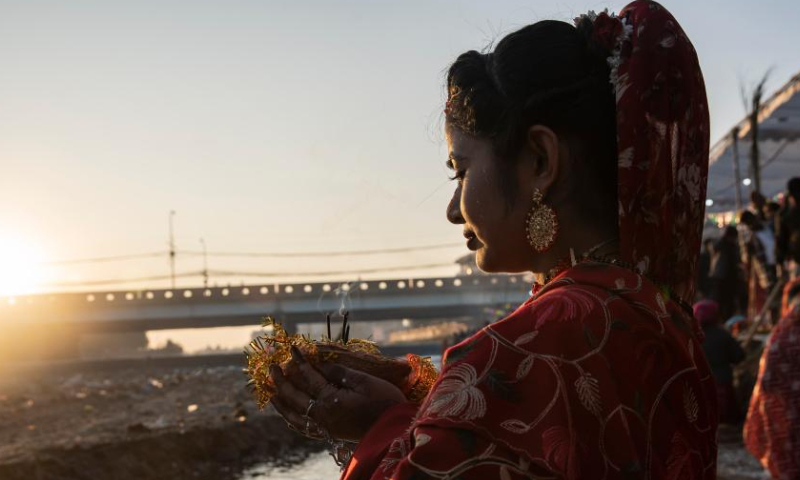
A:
[(599, 37)]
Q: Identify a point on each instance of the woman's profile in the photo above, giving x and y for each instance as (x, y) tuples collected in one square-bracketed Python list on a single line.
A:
[(579, 153)]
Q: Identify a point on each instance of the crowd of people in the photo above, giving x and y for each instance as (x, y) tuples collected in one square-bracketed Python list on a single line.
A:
[(741, 274), (739, 268)]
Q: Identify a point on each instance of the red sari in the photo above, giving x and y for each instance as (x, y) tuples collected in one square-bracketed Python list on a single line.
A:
[(772, 428), (600, 374), (597, 375)]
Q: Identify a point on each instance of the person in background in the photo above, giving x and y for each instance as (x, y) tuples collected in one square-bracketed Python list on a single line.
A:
[(722, 352), (704, 269), (787, 242), (772, 428), (724, 275), (758, 254), (757, 204), (772, 212)]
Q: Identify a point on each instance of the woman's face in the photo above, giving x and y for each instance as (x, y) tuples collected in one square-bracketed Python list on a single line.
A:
[(493, 227)]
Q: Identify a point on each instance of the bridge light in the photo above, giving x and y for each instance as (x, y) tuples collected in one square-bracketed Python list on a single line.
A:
[(457, 282), (225, 292), (746, 182), (439, 283), (168, 294), (307, 289), (110, 297), (420, 284), (469, 270), (513, 279), (364, 286), (129, 296), (326, 288), (345, 287), (382, 285), (289, 289), (187, 294), (406, 322), (493, 281), (207, 293), (401, 285), (89, 298), (264, 290), (709, 202), (149, 295), (245, 291)]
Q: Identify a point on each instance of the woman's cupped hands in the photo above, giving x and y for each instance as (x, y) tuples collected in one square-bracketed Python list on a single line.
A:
[(330, 401)]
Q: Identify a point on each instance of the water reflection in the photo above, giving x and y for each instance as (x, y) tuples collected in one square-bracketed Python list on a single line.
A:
[(317, 466)]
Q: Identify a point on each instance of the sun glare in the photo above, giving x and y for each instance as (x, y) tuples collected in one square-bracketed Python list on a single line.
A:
[(20, 268)]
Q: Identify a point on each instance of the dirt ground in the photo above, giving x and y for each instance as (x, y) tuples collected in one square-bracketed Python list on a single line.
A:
[(156, 422)]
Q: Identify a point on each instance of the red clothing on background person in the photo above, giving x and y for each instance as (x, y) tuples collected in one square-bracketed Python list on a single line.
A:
[(600, 374), (772, 428)]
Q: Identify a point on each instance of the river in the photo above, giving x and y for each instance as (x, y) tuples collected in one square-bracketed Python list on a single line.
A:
[(317, 466)]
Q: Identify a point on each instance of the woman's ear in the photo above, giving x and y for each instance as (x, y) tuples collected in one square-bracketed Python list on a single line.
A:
[(544, 150)]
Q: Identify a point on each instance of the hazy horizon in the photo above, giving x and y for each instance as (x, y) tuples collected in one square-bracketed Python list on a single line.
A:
[(269, 126)]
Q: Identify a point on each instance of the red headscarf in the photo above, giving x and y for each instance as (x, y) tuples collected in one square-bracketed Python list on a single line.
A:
[(663, 138), (706, 312)]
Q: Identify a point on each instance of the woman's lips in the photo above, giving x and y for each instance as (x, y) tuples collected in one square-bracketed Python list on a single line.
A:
[(472, 241)]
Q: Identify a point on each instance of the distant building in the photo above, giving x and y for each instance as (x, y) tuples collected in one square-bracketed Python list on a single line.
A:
[(468, 265), (779, 153)]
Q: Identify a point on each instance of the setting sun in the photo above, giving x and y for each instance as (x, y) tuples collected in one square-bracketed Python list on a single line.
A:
[(20, 267)]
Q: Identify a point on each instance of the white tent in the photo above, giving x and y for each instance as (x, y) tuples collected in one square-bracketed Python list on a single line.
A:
[(779, 147)]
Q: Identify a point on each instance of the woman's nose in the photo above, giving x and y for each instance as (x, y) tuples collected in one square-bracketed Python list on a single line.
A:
[(454, 209)]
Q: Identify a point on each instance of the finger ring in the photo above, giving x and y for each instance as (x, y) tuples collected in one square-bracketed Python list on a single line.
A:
[(311, 403)]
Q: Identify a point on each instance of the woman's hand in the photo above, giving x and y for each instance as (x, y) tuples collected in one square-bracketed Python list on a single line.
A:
[(341, 401)]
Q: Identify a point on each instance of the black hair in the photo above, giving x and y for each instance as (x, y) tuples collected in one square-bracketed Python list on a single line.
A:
[(549, 73), (794, 187), (794, 290), (750, 219)]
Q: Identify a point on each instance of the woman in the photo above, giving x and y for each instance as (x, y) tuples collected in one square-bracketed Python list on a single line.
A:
[(722, 352), (772, 428), (580, 154), (758, 255)]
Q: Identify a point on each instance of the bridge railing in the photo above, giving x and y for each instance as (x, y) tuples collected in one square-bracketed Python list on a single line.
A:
[(110, 299)]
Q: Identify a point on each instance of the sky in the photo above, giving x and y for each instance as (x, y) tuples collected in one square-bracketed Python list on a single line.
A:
[(269, 126)]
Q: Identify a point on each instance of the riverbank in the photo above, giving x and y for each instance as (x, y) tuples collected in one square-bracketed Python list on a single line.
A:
[(143, 423), (167, 420)]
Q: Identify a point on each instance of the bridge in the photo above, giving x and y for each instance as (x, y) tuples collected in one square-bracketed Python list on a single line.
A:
[(291, 303)]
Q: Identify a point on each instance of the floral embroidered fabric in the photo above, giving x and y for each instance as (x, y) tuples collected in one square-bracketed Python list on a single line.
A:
[(772, 428), (600, 374), (663, 139), (596, 375)]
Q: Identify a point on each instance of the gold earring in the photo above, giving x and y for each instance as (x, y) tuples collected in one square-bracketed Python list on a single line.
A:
[(542, 224)]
